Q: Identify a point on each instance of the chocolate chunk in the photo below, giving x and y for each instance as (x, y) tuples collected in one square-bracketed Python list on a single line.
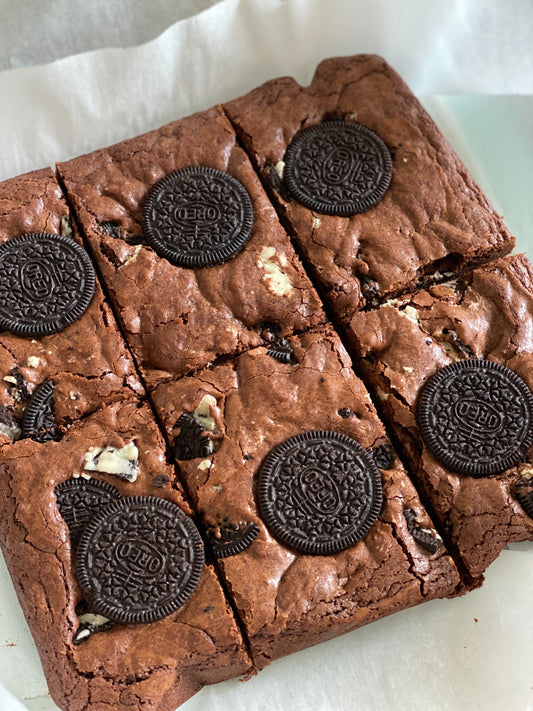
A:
[(426, 539), (383, 456), (476, 417), (46, 283), (38, 421), (338, 168), (282, 351), (198, 217), (191, 441), (139, 559), (319, 492), (79, 500), (233, 539)]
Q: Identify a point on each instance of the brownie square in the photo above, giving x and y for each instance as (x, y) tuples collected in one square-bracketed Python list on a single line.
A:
[(288, 600), (154, 666), (178, 319), (483, 315), (88, 361), (432, 222)]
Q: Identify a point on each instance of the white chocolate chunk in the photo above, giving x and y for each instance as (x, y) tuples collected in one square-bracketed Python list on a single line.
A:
[(381, 394), (93, 619), (11, 431), (280, 167), (316, 223), (123, 462), (450, 350), (133, 256), (205, 464), (202, 413), (66, 228), (33, 362), (10, 379), (411, 313), (277, 281)]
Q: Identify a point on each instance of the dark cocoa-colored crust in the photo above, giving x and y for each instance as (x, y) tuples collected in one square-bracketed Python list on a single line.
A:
[(177, 319), (153, 666), (486, 314), (286, 600), (88, 362), (433, 218)]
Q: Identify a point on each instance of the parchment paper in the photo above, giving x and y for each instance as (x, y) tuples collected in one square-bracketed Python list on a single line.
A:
[(472, 67)]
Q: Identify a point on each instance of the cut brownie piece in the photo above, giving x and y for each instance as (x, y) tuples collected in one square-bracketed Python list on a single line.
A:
[(225, 421), (84, 363), (320, 149), (178, 319), (485, 315), (127, 666)]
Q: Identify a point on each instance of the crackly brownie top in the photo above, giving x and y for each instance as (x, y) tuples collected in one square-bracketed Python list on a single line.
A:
[(86, 362), (121, 447), (248, 407), (485, 315), (177, 318), (432, 218)]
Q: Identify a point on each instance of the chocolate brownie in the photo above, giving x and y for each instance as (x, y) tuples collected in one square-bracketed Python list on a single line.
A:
[(230, 424), (477, 474), (81, 365), (178, 312), (122, 666), (327, 148)]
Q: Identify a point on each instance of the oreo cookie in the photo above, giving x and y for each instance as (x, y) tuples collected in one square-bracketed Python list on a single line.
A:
[(282, 351), (338, 168), (476, 417), (191, 442), (46, 283), (79, 500), (425, 539), (233, 539), (38, 421), (139, 559), (383, 456), (526, 502), (198, 217), (319, 492)]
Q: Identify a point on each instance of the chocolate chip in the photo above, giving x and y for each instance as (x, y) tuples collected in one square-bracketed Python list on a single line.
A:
[(139, 560), (476, 417), (79, 500), (191, 441), (38, 421), (383, 456), (198, 217), (338, 168), (319, 492), (282, 351), (232, 539), (46, 283)]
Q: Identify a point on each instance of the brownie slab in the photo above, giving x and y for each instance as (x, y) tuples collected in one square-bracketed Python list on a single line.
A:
[(88, 361), (432, 221), (178, 319), (483, 315), (247, 406), (153, 666)]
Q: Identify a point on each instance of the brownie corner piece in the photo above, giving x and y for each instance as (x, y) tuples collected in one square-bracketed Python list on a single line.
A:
[(88, 526), (377, 199), (189, 246), (452, 369), (292, 585), (61, 352)]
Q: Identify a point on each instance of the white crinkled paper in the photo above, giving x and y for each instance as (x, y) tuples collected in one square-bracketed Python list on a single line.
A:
[(471, 63)]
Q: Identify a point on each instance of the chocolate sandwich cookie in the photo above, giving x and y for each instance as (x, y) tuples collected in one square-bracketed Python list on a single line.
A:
[(452, 369), (46, 284)]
